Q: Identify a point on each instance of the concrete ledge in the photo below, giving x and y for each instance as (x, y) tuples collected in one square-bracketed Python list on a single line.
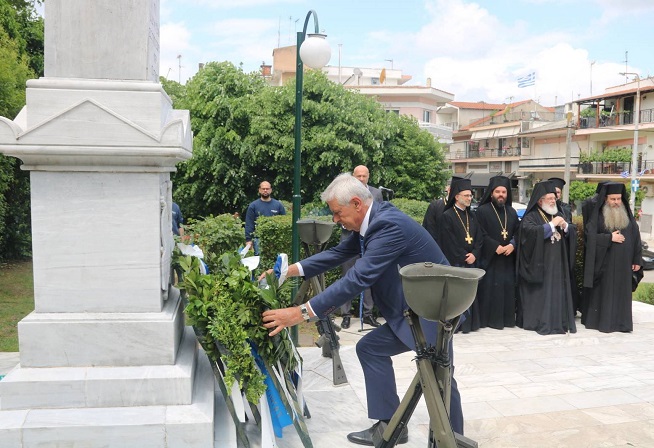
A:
[(180, 426), (67, 387), (101, 339)]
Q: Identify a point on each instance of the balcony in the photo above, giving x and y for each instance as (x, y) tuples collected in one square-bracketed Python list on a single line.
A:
[(622, 169), (616, 119), (441, 132), (485, 153)]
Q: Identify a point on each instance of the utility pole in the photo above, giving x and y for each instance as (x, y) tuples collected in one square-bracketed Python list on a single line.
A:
[(568, 151)]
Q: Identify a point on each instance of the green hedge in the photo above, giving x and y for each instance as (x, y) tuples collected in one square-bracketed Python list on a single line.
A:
[(413, 208), (225, 233), (216, 235)]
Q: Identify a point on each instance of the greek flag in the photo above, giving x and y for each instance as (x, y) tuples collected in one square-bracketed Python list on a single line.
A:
[(624, 174), (527, 80)]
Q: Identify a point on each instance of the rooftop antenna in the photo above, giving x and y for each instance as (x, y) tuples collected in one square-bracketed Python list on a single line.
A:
[(391, 61), (626, 63), (279, 31), (179, 64)]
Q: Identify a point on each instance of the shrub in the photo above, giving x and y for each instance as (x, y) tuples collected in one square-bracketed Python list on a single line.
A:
[(413, 208), (216, 235)]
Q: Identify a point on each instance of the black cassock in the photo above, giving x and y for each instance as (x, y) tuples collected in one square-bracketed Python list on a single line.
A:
[(608, 306), (496, 294), (544, 278), (452, 241), (432, 216)]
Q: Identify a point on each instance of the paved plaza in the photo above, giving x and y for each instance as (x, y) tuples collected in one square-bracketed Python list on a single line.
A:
[(519, 389)]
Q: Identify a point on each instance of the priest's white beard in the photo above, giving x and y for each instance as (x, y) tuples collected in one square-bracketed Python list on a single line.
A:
[(550, 209), (615, 218)]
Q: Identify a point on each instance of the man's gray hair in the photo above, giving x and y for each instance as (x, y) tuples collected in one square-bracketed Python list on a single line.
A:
[(345, 187)]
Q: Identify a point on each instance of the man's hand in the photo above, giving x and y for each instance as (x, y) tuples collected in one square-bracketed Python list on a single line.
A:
[(508, 249), (559, 221), (617, 237), (470, 258), (500, 249), (264, 273), (281, 318), (635, 267)]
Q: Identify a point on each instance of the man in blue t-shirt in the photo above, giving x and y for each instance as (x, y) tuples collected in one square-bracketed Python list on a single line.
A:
[(178, 220), (264, 206)]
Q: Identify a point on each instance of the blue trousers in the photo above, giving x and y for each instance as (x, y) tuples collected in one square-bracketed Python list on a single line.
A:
[(374, 351)]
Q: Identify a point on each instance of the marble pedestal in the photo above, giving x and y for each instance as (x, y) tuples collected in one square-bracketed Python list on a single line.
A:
[(105, 359)]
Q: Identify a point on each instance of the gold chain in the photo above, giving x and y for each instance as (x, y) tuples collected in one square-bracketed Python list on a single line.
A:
[(504, 232), (466, 226), (544, 216)]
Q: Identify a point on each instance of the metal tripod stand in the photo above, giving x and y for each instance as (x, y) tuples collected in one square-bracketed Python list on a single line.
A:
[(440, 293), (314, 236)]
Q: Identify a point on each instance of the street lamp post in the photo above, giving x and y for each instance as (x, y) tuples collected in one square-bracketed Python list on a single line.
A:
[(634, 149), (313, 51)]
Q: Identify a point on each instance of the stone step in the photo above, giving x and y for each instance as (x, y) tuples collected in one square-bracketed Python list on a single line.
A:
[(101, 339), (182, 426), (91, 387)]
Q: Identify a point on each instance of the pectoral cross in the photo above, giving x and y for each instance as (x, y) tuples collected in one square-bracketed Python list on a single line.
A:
[(468, 238), (505, 234)]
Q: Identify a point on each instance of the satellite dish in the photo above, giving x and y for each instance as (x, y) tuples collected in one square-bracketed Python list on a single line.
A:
[(358, 72)]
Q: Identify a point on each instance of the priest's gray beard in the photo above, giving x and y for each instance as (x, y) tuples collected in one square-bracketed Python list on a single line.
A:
[(550, 209), (615, 218)]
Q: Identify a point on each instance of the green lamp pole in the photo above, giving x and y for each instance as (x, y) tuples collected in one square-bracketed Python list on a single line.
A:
[(313, 51)]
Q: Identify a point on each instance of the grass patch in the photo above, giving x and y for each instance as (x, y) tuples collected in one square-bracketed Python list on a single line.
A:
[(644, 293), (16, 299)]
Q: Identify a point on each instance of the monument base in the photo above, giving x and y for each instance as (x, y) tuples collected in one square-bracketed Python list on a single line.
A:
[(187, 425)]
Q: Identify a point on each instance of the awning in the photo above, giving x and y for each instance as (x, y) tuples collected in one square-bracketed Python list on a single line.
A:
[(482, 135), (507, 132), (481, 180)]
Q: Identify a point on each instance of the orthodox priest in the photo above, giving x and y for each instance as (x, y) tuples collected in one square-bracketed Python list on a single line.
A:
[(566, 211), (613, 257), (460, 238), (543, 269), (499, 222), (435, 211)]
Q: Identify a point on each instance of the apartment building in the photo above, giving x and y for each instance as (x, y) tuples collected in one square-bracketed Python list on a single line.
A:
[(386, 85), (606, 127)]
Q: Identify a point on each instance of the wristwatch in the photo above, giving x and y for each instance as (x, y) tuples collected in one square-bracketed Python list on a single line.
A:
[(305, 314)]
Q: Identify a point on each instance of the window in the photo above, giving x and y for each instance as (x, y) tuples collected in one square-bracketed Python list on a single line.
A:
[(395, 111), (374, 81), (426, 116)]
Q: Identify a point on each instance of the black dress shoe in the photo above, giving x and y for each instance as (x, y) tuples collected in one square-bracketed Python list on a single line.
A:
[(365, 437), (346, 322), (370, 320)]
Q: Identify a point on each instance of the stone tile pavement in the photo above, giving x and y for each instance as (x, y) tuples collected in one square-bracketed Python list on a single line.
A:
[(519, 389)]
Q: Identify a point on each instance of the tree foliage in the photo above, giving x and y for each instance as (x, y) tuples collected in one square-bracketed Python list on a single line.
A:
[(21, 58), (244, 133)]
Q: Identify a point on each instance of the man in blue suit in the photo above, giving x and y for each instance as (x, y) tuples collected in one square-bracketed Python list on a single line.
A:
[(389, 239)]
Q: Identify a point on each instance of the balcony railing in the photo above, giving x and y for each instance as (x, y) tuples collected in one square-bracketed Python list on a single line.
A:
[(522, 116), (481, 153), (646, 116), (615, 168)]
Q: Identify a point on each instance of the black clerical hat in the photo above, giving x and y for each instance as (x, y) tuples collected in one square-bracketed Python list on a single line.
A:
[(458, 185), (614, 188), (454, 177), (558, 182), (493, 183), (600, 185), (540, 190)]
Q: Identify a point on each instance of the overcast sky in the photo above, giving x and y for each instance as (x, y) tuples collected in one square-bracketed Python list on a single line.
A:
[(473, 49)]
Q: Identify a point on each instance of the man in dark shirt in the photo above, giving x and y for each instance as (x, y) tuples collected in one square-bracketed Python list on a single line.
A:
[(264, 206)]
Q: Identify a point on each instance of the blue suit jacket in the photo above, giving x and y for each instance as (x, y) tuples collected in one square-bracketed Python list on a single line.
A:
[(392, 240)]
